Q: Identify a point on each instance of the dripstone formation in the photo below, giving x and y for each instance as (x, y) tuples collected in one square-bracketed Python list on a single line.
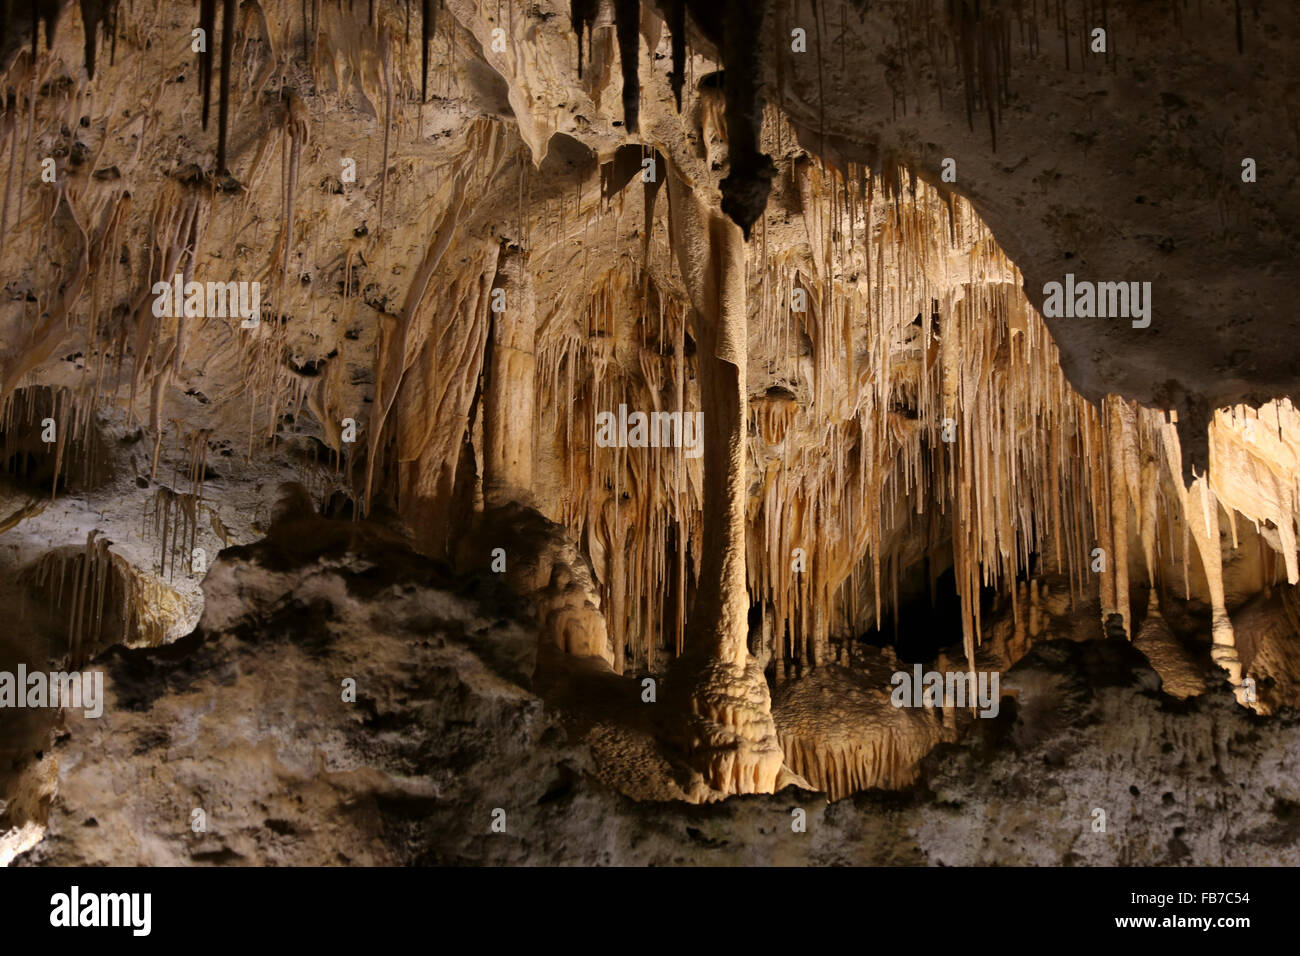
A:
[(594, 412)]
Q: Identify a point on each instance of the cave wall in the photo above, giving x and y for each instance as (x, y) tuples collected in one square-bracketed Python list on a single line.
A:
[(889, 389)]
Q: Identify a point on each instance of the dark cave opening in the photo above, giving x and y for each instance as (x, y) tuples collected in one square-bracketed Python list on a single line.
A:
[(928, 619), (23, 469), (46, 445)]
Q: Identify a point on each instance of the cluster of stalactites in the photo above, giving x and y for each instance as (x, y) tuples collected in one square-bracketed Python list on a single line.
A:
[(43, 421), (97, 590), (921, 411), (928, 389), (1139, 494), (917, 384), (636, 510)]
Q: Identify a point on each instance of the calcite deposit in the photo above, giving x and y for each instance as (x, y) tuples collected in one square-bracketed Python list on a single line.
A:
[(316, 317)]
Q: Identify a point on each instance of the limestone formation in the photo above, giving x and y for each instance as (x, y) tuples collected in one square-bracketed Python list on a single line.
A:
[(623, 394)]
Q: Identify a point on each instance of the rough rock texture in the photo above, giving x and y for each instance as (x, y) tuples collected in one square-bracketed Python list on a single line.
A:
[(244, 719), (465, 257)]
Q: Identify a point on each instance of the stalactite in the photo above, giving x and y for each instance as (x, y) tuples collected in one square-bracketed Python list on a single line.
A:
[(750, 171), (386, 57), (9, 122), (106, 600), (227, 46), (172, 518), (627, 20), (297, 131), (913, 412), (93, 14), (394, 355), (49, 12), (208, 24), (508, 420), (1120, 439), (677, 27), (428, 24), (582, 14)]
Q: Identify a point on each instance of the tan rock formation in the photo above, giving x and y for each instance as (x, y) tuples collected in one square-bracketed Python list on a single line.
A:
[(508, 420), (730, 728), (468, 257)]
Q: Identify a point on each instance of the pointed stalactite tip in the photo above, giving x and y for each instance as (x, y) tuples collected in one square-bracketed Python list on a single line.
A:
[(677, 28), (582, 14), (745, 192), (428, 24), (627, 19), (93, 13)]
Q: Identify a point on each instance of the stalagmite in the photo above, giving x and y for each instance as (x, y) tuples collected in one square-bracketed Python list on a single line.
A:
[(731, 733), (840, 732), (508, 420), (1120, 439), (1181, 676), (1200, 512)]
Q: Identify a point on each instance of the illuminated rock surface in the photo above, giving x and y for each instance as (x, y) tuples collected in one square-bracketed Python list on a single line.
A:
[(472, 239)]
